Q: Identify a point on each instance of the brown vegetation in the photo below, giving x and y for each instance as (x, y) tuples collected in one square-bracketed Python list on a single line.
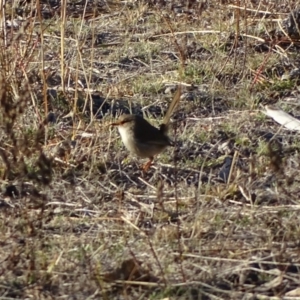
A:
[(215, 217)]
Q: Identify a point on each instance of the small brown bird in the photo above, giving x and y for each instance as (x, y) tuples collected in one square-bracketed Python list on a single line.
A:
[(141, 138)]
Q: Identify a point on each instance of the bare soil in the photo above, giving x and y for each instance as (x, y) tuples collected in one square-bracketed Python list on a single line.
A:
[(215, 217)]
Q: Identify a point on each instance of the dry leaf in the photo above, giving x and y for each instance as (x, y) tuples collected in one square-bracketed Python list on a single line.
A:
[(130, 270), (293, 293), (282, 118), (270, 284)]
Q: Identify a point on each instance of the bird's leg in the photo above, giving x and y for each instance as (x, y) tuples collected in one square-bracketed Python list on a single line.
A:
[(147, 165)]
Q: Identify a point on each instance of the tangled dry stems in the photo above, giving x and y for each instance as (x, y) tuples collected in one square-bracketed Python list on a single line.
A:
[(80, 220)]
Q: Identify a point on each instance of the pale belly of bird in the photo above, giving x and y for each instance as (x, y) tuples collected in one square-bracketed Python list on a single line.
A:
[(141, 149)]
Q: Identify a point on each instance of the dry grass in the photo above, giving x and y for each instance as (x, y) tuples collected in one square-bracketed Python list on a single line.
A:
[(79, 220)]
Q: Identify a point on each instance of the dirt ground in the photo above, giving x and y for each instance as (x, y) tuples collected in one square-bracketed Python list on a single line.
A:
[(215, 217)]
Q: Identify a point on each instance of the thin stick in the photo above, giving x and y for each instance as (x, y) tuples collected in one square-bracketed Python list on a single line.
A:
[(62, 44)]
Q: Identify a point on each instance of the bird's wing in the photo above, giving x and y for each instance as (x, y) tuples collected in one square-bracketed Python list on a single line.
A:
[(147, 133)]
